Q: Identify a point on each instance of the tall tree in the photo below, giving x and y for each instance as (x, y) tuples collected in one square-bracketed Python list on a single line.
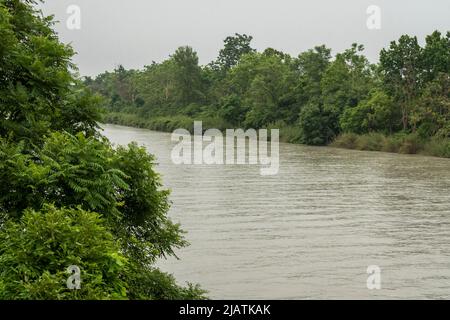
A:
[(234, 48), (187, 75), (311, 66), (402, 67), (37, 83), (436, 55)]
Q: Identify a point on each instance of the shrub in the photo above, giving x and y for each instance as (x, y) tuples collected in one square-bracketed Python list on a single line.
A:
[(156, 285), (317, 125), (392, 144), (37, 250), (346, 140), (411, 144), (75, 171), (438, 147), (370, 142)]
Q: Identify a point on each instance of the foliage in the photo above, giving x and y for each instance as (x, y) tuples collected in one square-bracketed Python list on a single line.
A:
[(72, 171), (38, 90), (187, 77), (67, 196), (316, 124), (37, 250), (234, 48), (86, 173), (156, 285), (145, 229), (397, 143), (376, 113), (402, 68)]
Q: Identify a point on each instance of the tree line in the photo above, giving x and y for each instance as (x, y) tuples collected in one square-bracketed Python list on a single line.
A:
[(400, 103), (67, 197)]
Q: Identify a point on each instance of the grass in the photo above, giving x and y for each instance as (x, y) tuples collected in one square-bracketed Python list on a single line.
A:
[(165, 124), (288, 133), (398, 143)]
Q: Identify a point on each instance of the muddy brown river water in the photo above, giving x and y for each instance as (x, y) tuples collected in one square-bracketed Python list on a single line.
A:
[(311, 231)]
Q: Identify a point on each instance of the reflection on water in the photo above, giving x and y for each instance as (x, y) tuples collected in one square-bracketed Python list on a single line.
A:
[(312, 230)]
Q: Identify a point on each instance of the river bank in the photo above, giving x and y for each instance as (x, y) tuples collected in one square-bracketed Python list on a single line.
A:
[(399, 143)]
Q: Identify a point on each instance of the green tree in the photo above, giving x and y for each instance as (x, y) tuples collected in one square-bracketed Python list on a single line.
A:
[(234, 48), (72, 171), (310, 69), (232, 110), (86, 173), (402, 68), (156, 87), (348, 79), (377, 113), (266, 90), (187, 76), (345, 82), (432, 114), (37, 84), (51, 153), (145, 228), (436, 55), (37, 250), (156, 285), (316, 124)]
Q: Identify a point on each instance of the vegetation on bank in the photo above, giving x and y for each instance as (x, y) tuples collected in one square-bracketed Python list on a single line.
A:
[(313, 98), (67, 197), (165, 124), (289, 134), (398, 143)]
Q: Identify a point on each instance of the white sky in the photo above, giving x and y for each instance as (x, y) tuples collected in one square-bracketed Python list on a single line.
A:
[(136, 32)]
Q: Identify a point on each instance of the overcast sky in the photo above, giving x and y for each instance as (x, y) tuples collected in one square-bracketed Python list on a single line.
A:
[(136, 32)]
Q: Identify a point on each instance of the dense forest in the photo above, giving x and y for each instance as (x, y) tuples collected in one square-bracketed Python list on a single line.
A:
[(68, 199), (401, 104)]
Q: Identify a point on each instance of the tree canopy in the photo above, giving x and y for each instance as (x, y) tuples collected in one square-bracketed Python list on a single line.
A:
[(313, 98)]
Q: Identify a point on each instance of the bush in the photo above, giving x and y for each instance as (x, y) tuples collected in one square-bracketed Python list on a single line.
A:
[(37, 250), (377, 113), (392, 144), (86, 173), (438, 147), (345, 140), (317, 125), (411, 144), (398, 143), (144, 227), (167, 124), (370, 142), (156, 285)]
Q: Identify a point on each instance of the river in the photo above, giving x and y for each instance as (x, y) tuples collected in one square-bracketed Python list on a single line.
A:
[(311, 231)]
